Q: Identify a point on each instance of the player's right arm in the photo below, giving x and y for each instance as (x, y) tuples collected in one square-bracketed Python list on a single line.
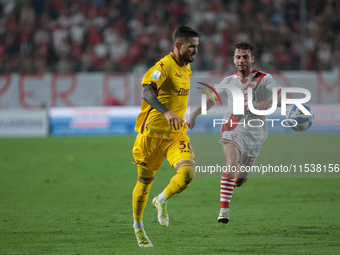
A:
[(191, 121), (149, 96)]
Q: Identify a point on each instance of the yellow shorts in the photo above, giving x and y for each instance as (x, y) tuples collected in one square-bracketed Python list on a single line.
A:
[(150, 151)]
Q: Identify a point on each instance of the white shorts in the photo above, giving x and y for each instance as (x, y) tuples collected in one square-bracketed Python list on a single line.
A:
[(249, 153)]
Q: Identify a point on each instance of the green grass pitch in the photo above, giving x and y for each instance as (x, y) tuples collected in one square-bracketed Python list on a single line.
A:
[(73, 196)]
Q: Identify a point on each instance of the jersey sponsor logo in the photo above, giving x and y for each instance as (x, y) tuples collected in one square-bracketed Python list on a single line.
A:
[(183, 92), (178, 75), (156, 74)]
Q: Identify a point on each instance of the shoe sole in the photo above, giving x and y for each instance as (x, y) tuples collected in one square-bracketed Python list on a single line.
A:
[(223, 220)]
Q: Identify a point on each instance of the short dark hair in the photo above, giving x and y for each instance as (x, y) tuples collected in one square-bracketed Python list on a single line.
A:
[(244, 46), (182, 33)]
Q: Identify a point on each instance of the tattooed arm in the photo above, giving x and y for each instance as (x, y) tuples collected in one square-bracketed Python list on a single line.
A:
[(149, 96)]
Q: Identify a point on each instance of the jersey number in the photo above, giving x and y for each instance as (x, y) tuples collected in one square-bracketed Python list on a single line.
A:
[(185, 145)]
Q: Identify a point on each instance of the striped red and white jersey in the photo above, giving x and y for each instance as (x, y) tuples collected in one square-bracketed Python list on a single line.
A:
[(252, 125)]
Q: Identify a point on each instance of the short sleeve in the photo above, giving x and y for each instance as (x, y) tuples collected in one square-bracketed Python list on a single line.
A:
[(156, 75), (270, 83)]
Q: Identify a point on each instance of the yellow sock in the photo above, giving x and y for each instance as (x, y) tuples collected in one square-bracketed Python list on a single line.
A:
[(179, 182), (140, 193)]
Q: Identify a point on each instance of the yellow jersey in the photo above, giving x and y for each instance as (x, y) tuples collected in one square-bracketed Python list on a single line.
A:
[(172, 83)]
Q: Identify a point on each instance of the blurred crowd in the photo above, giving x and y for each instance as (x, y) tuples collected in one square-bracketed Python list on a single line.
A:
[(38, 36)]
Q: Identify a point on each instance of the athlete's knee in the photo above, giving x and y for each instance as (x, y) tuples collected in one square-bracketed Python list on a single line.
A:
[(232, 154), (186, 170), (239, 182), (185, 174), (145, 180), (143, 185), (232, 162)]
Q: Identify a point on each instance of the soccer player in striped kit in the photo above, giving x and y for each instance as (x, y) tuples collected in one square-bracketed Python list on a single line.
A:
[(162, 131), (241, 142)]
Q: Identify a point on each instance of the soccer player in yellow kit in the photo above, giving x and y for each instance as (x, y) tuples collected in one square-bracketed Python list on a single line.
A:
[(162, 131)]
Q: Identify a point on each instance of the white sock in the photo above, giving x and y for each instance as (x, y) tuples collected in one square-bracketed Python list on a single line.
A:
[(138, 225), (162, 198)]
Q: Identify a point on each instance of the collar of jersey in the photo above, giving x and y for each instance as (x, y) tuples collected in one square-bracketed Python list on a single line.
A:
[(172, 54), (254, 71)]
